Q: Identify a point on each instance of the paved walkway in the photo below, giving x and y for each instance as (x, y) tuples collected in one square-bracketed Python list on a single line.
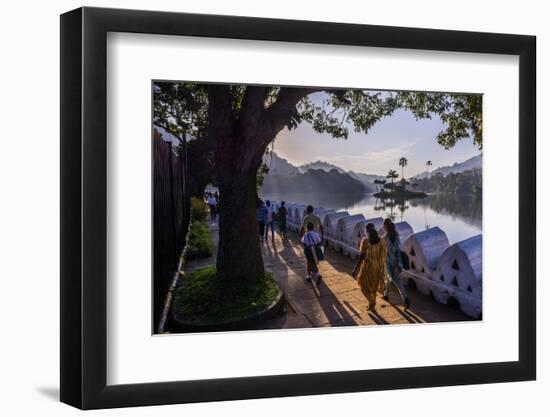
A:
[(338, 301)]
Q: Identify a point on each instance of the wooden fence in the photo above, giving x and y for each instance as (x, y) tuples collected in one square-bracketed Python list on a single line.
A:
[(170, 217)]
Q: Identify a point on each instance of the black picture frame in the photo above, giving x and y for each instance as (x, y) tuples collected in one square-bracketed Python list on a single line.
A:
[(84, 207)]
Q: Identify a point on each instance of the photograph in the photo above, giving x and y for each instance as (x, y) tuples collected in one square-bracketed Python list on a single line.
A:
[(289, 207), (269, 206)]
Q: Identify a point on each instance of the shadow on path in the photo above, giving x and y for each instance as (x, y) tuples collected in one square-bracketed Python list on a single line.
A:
[(338, 300)]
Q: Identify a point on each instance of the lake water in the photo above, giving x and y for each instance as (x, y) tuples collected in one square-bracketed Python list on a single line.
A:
[(458, 216)]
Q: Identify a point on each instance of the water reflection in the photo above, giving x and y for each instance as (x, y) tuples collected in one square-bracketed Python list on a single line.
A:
[(459, 216)]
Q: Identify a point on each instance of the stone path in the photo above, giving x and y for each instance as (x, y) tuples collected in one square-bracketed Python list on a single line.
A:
[(339, 301)]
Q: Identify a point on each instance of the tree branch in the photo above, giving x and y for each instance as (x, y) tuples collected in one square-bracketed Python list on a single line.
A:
[(253, 102), (279, 114), (273, 120)]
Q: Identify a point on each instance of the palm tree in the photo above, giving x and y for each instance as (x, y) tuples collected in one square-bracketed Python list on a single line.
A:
[(403, 164), (392, 175), (428, 165)]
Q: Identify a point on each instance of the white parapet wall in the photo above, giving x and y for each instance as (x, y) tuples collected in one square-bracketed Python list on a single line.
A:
[(344, 231), (290, 219), (330, 223), (290, 206), (459, 275), (299, 211), (296, 213), (424, 250), (323, 213)]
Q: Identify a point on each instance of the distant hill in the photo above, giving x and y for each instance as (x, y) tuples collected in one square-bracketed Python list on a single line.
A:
[(367, 179), (473, 163), (280, 166), (329, 182), (285, 178), (325, 166)]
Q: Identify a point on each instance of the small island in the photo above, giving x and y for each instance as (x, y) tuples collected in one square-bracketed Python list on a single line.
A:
[(398, 190), (403, 194)]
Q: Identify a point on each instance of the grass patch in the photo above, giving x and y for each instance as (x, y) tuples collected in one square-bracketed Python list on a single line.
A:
[(201, 298), (200, 242)]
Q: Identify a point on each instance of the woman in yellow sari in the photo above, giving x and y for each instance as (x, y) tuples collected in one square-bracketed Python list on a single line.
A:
[(370, 269)]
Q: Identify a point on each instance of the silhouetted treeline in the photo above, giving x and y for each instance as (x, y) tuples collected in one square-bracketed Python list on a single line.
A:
[(467, 182)]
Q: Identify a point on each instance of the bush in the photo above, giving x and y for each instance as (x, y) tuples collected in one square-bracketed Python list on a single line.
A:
[(199, 244), (199, 209), (202, 298)]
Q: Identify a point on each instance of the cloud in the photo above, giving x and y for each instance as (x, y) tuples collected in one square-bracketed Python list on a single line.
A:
[(388, 155), (380, 157)]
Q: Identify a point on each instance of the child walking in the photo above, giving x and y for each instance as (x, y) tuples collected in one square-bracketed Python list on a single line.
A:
[(312, 241)]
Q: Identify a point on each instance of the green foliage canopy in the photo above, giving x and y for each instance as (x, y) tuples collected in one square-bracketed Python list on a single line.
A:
[(182, 109)]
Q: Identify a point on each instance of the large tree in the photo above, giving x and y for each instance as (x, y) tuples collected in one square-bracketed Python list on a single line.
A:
[(243, 120)]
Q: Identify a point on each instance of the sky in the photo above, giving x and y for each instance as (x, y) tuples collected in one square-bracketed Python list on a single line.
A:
[(393, 137)]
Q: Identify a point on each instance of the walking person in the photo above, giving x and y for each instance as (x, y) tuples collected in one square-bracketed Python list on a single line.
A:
[(212, 204), (394, 263), (311, 217), (270, 220), (370, 268), (261, 215), (312, 249), (281, 218)]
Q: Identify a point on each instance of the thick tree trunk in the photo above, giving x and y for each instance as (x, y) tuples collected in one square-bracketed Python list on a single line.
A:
[(239, 252), (240, 142)]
